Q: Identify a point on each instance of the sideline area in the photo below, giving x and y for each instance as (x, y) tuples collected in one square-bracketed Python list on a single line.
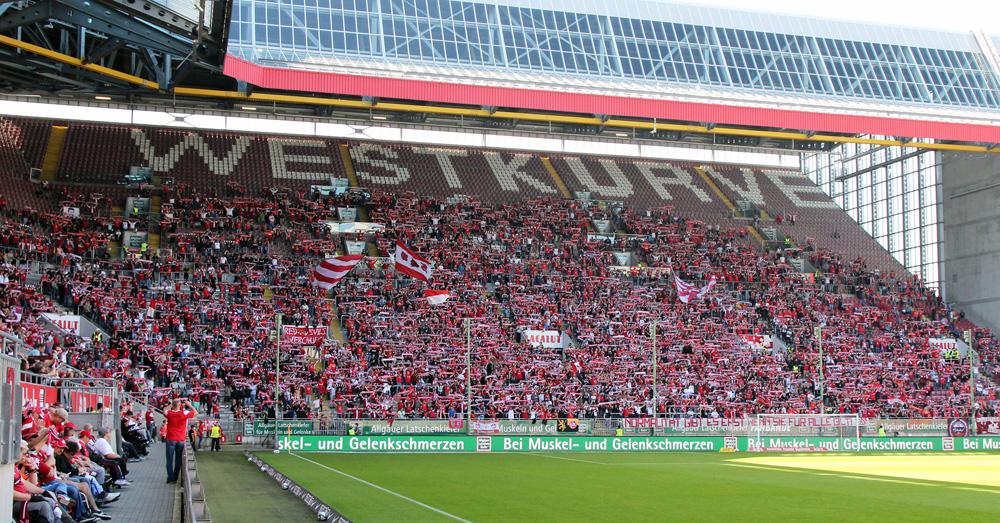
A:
[(237, 492), (637, 486)]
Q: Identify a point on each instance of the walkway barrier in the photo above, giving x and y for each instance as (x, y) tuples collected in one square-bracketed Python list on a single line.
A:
[(195, 507)]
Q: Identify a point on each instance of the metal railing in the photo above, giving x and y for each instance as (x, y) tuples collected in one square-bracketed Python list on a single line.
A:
[(194, 505)]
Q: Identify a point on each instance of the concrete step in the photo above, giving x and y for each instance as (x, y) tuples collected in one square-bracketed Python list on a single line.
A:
[(345, 154), (53, 153), (558, 179)]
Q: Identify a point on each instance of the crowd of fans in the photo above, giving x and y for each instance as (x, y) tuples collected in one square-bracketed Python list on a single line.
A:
[(68, 473), (193, 319)]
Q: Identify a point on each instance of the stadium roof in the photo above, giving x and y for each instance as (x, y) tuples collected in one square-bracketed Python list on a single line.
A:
[(636, 58), (619, 69)]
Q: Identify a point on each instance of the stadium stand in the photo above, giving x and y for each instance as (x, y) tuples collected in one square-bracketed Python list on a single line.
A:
[(515, 255)]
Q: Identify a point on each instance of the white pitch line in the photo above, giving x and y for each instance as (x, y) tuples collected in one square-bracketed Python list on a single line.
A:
[(568, 459), (383, 489), (671, 463)]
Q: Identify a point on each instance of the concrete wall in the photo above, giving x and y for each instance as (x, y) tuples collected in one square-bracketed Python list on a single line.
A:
[(971, 201), (7, 493)]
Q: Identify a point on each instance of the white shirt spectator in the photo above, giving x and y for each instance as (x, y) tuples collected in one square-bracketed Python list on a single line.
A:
[(102, 447)]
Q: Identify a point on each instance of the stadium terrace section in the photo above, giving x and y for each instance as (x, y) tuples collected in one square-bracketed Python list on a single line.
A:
[(101, 154), (240, 233)]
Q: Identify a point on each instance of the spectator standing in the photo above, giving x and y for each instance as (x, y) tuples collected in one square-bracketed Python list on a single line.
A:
[(150, 426), (176, 422), (216, 435)]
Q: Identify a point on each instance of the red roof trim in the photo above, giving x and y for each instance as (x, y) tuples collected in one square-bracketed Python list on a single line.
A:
[(335, 83)]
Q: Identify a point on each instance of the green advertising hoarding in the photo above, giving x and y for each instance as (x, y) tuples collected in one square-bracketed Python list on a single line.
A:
[(412, 428), (493, 444), (804, 443), (266, 428), (406, 444)]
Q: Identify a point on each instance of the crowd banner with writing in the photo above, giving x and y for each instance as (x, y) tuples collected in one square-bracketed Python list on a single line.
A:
[(547, 339), (302, 335), (959, 427), (266, 428), (66, 322), (355, 247), (685, 426), (984, 426), (944, 344), (570, 425), (906, 427), (485, 443)]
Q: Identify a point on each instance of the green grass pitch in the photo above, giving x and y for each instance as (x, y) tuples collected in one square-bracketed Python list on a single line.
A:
[(896, 487)]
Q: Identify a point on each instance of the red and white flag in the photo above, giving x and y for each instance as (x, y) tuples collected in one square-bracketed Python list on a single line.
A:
[(411, 264), (687, 292), (436, 297), (332, 270)]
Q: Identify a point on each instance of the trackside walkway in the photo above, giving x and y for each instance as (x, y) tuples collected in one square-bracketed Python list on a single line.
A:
[(149, 499)]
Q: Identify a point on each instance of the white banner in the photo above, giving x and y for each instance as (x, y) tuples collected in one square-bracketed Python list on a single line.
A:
[(66, 322), (547, 339), (73, 212), (943, 344), (486, 427)]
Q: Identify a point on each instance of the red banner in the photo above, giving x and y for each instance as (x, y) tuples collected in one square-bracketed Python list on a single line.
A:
[(38, 396), (303, 335), (988, 426)]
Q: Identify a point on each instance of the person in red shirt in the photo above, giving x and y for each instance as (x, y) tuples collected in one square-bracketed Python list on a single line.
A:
[(176, 423), (150, 426)]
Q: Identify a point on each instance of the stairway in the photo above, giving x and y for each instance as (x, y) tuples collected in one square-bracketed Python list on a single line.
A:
[(345, 154), (715, 188), (558, 179), (153, 242), (352, 176), (335, 329), (53, 153)]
